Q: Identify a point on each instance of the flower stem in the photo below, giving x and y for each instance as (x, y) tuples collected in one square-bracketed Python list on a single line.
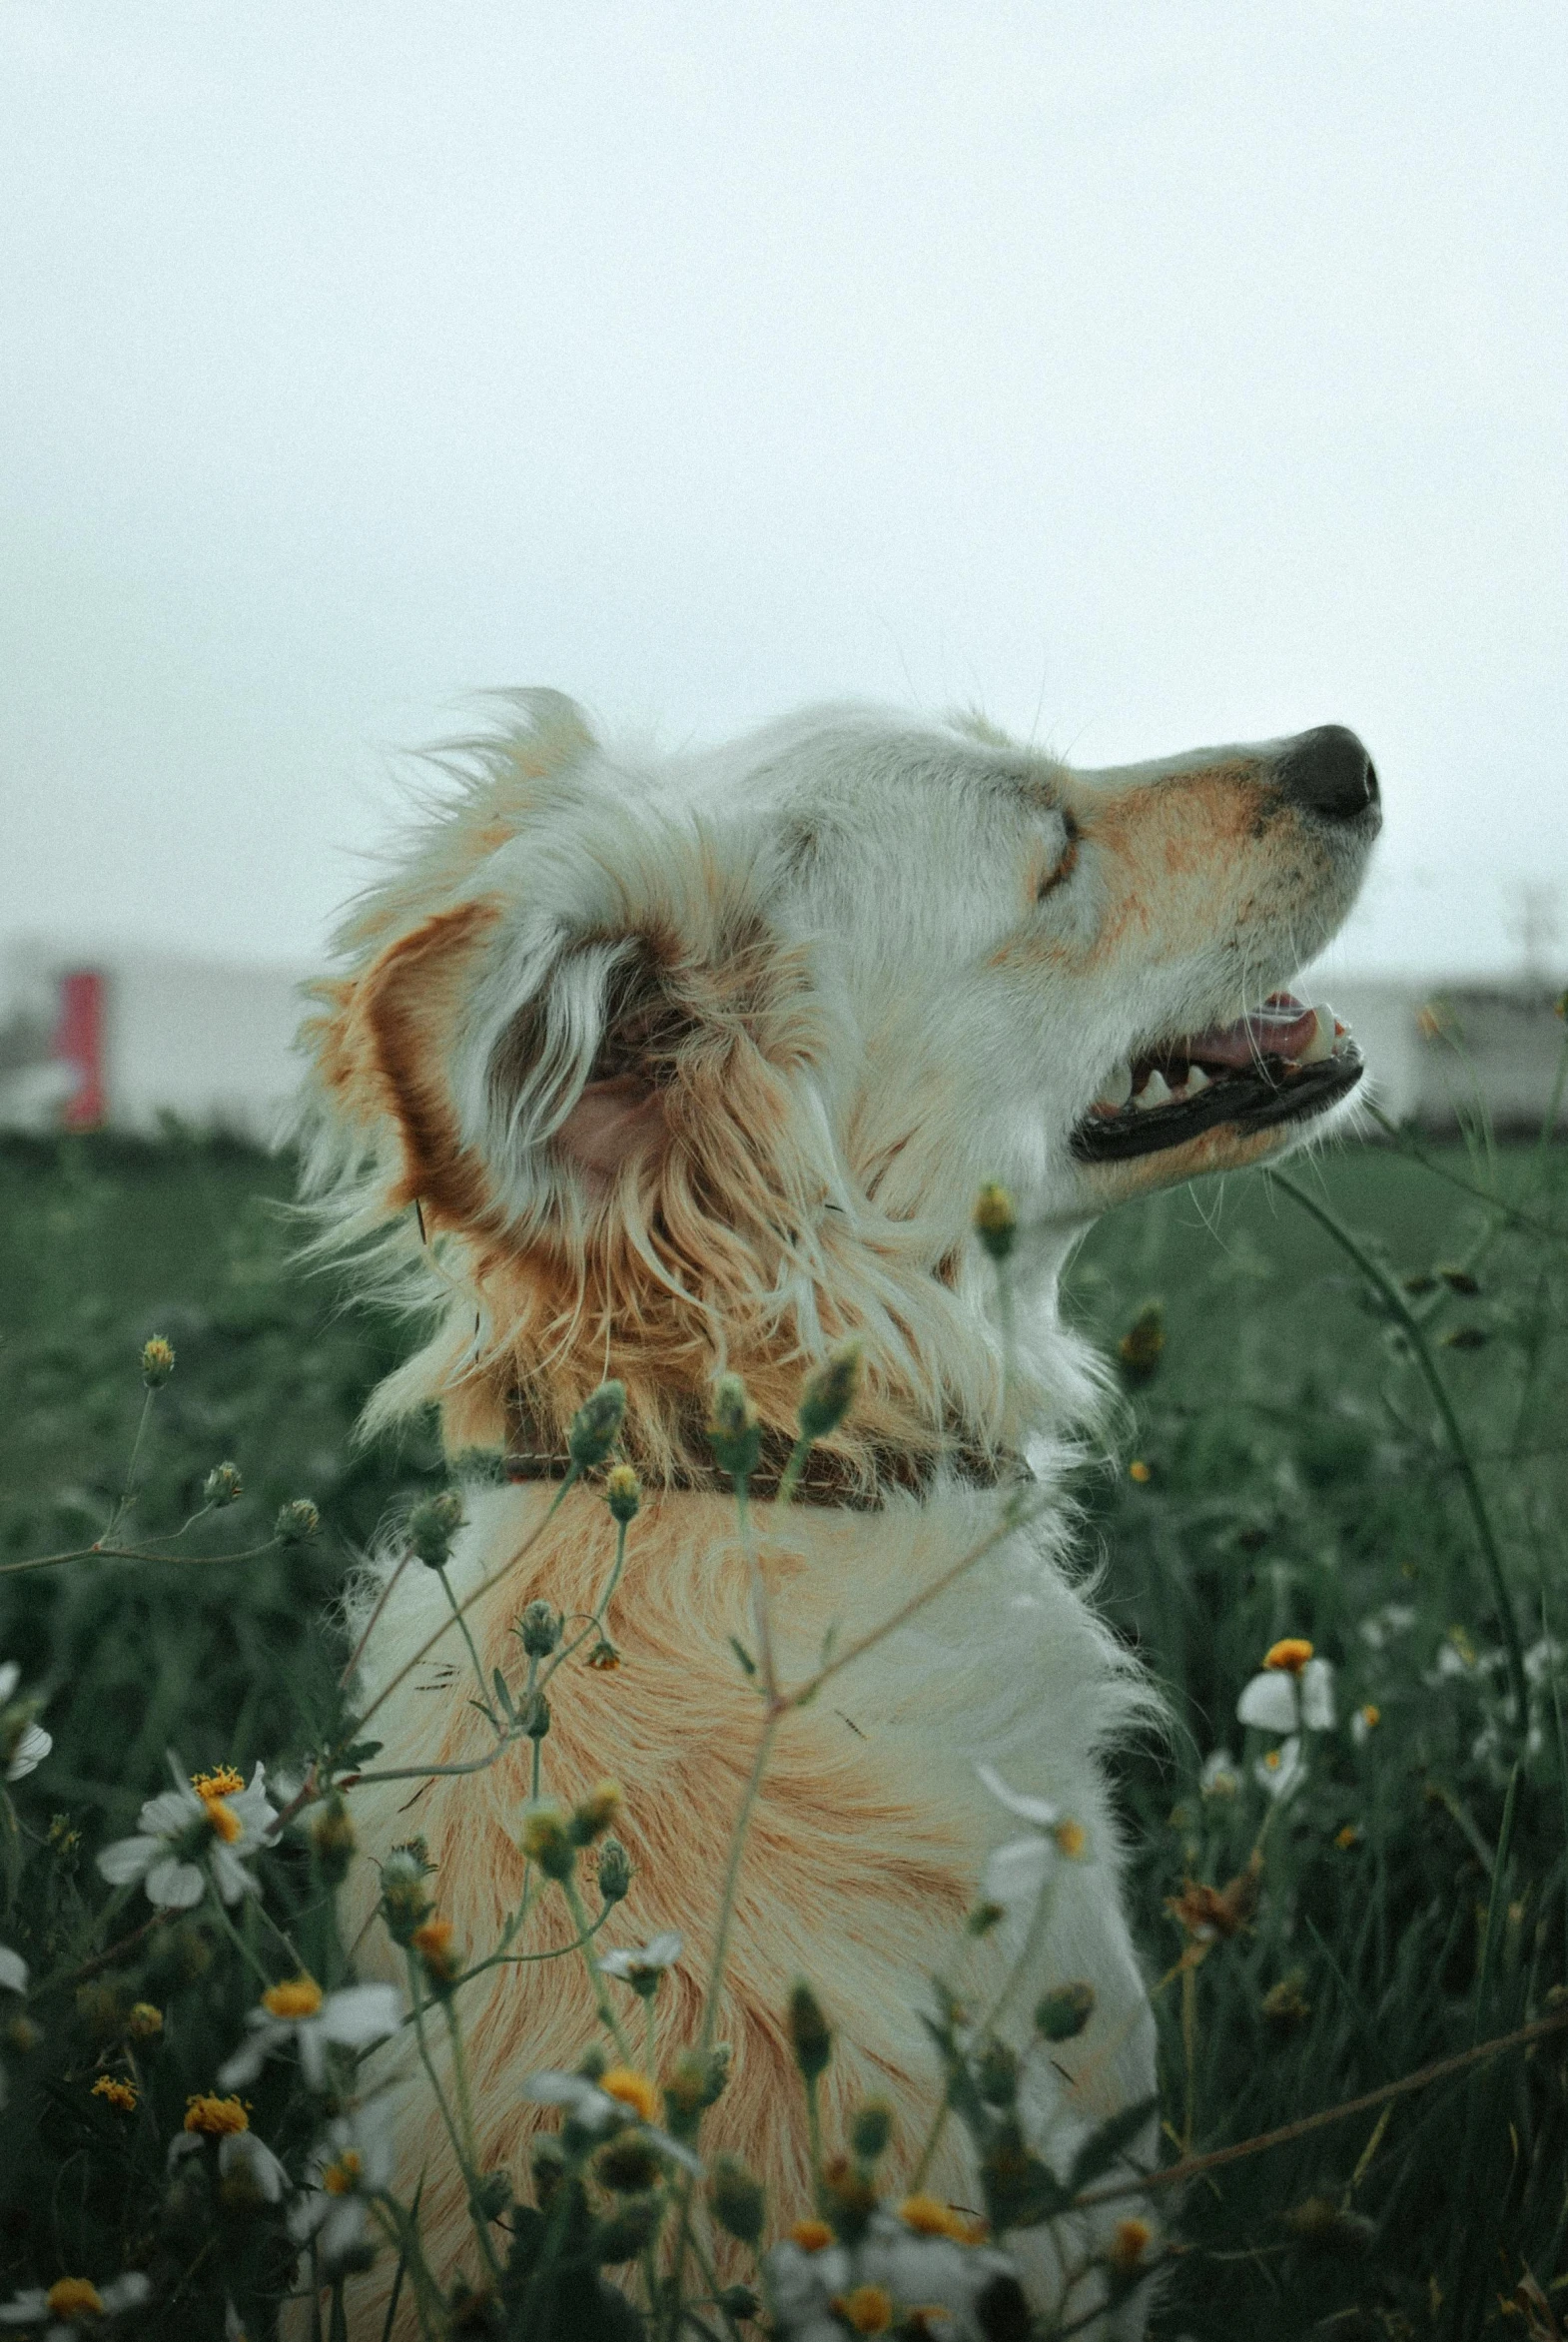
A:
[(590, 1961), (1378, 1277)]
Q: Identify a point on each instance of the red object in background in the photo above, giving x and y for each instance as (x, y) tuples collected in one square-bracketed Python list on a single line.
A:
[(79, 1043)]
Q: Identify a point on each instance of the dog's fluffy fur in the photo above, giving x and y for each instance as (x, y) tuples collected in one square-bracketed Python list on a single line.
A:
[(652, 1067)]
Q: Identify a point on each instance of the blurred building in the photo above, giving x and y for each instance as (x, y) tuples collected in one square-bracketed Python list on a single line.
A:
[(128, 1038)]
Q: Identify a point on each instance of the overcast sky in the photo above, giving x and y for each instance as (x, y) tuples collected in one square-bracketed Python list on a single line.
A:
[(1148, 374)]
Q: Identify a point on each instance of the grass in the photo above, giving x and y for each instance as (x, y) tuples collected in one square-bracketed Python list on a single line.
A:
[(1280, 1470)]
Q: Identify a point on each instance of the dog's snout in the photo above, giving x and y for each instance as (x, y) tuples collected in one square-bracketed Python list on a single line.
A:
[(1328, 772)]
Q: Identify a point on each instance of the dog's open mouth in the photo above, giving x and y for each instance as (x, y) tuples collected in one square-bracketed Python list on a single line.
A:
[(1280, 1063)]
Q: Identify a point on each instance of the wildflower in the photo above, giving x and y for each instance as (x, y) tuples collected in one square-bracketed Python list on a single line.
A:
[(539, 1629), (927, 2217), (995, 1220), (1293, 1692), (433, 1524), (644, 1969), (633, 2089), (1140, 1348), (298, 2015), (157, 1362), (144, 2022), (1347, 1837), (75, 2305), (737, 2199), (592, 1815), (896, 2272), (350, 2166), (332, 1839), (404, 1899), (596, 1425), (596, 2109), (735, 1433), (1130, 2245), (223, 1485), (1215, 1914), (1140, 1471), (296, 1522), (1220, 1776), (871, 2130), (603, 1656), (622, 1493), (1285, 2005), (432, 1941), (1016, 1874), (811, 2036), (186, 1837), (244, 2161), (1062, 2014), (830, 1391), (23, 1744), (1282, 1771), (1366, 1722), (546, 1841), (122, 2095), (615, 1871), (1395, 1617), (13, 1970)]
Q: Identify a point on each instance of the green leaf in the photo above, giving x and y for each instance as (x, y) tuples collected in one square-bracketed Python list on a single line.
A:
[(1108, 2144)]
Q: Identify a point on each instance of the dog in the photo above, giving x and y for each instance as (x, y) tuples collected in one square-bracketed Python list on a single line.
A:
[(660, 1067)]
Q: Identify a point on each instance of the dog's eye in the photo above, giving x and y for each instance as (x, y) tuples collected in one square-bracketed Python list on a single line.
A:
[(1064, 863)]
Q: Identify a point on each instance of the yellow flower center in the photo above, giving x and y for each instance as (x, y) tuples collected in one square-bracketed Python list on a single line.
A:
[(226, 1823), (927, 2217), (1346, 1838), (342, 2177), (297, 1996), (1131, 2240), (119, 2094), (1137, 1470), (811, 2236), (433, 1937), (74, 2298), (1071, 1837), (631, 2090), (1272, 1759), (1288, 1657), (223, 1781), (867, 2310), (215, 2118), (1372, 1716)]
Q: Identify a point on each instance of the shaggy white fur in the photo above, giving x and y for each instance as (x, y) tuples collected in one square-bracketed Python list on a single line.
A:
[(657, 1066)]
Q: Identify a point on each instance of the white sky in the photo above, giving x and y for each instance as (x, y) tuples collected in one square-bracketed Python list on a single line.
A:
[(1150, 374)]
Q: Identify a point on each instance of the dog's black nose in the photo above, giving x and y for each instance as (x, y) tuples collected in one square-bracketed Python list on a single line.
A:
[(1329, 772)]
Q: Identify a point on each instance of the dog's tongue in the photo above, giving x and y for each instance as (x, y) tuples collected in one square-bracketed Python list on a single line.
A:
[(1282, 1028)]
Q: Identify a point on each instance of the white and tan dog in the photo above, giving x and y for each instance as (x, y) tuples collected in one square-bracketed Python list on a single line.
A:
[(656, 1066)]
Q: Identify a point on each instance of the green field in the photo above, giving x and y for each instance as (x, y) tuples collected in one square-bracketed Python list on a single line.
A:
[(1282, 1470)]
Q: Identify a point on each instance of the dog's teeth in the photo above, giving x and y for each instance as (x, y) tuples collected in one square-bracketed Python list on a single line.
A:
[(1116, 1091), (1196, 1080), (1321, 1044), (1155, 1091)]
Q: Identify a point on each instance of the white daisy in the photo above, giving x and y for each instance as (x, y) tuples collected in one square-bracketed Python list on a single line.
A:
[(23, 1744), (74, 2305), (1282, 1770), (1293, 1692), (892, 2273), (208, 1827), (13, 1970), (644, 1969), (1016, 1874), (600, 2112), (240, 2153), (353, 2165), (301, 2013), (1222, 1775)]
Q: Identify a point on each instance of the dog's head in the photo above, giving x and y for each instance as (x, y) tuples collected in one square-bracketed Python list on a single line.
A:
[(661, 1064)]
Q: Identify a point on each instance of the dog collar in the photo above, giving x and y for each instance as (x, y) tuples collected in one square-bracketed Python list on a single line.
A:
[(828, 1479)]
